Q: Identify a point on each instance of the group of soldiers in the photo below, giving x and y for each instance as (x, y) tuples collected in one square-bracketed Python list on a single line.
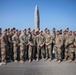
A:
[(35, 45)]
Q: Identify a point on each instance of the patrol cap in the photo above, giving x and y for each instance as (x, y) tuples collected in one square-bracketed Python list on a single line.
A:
[(40, 31), (29, 28), (33, 29), (60, 29), (8, 28), (11, 29), (24, 29), (45, 29), (14, 28), (70, 31), (5, 30), (54, 28), (57, 31), (67, 28), (48, 30)]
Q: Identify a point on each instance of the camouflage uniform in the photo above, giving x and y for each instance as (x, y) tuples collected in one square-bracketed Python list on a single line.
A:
[(71, 47), (30, 44), (4, 47), (40, 41), (66, 36), (15, 39), (10, 46), (48, 40), (58, 47), (23, 48), (34, 46)]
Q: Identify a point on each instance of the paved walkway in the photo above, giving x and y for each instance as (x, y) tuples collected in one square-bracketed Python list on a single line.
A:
[(39, 68)]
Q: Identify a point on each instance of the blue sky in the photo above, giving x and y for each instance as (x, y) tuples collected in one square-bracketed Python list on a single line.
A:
[(53, 13)]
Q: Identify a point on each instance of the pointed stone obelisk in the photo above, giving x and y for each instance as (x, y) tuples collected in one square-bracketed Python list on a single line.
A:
[(36, 18)]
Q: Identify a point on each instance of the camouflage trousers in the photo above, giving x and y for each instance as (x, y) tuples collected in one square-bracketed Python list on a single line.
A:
[(11, 51), (66, 52), (22, 48), (15, 48), (3, 53), (40, 50), (71, 52), (34, 52), (48, 51), (30, 52), (58, 52)]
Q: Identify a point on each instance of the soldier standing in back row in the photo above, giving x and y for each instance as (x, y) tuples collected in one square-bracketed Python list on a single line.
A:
[(34, 45), (48, 44), (71, 46), (40, 45), (4, 46), (23, 46), (10, 44), (30, 44), (58, 47), (15, 39), (66, 36)]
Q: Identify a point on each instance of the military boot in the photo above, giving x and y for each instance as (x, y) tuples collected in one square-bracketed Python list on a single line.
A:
[(46, 58), (75, 60), (59, 61), (33, 59), (56, 60), (21, 61), (50, 59), (29, 61), (37, 59), (43, 59), (65, 59), (15, 61), (70, 60), (4, 62)]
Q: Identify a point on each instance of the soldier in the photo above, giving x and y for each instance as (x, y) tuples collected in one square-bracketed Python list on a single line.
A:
[(23, 45), (66, 36), (45, 32), (34, 45), (10, 44), (30, 44), (58, 47), (40, 45), (71, 46), (4, 46), (75, 45), (37, 34), (14, 30), (48, 44), (54, 35), (63, 48), (15, 39), (8, 50), (0, 42)]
